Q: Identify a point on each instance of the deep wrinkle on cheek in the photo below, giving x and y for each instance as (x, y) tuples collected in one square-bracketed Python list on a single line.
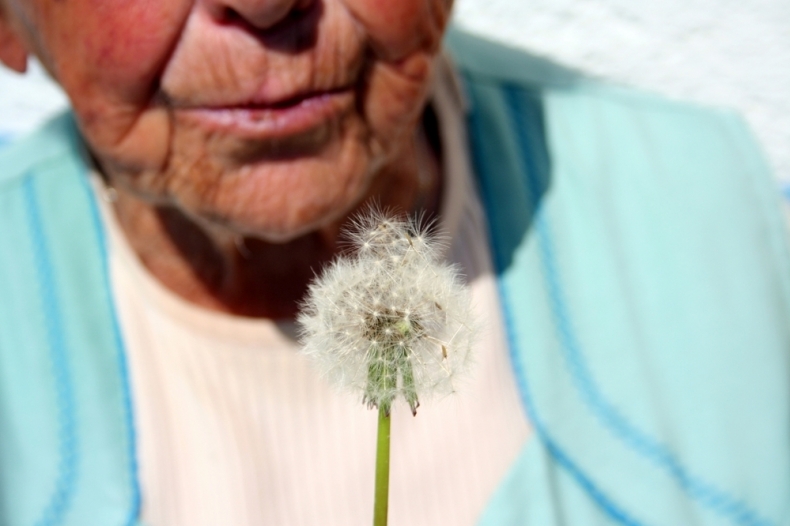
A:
[(397, 28)]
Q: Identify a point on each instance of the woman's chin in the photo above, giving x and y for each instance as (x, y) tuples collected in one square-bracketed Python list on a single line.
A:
[(279, 202), (271, 184)]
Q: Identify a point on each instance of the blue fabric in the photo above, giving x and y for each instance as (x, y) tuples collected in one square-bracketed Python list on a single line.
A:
[(66, 440), (644, 271)]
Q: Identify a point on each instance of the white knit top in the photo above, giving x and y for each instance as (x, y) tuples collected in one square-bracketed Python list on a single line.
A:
[(234, 427)]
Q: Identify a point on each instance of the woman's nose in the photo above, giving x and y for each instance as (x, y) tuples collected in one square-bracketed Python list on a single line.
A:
[(260, 14)]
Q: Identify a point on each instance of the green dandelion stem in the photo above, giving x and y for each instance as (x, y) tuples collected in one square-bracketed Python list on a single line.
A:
[(381, 500)]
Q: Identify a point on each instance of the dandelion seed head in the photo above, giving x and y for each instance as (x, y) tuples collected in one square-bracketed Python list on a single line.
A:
[(406, 317)]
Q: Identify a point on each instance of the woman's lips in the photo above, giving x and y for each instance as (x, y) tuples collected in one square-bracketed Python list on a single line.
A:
[(273, 121)]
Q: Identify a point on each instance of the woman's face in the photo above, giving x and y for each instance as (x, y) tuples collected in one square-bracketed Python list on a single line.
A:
[(266, 117)]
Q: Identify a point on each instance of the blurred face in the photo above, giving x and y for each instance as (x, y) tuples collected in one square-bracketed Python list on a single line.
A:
[(265, 117)]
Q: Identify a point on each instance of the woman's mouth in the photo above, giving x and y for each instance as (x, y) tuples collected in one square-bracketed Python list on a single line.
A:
[(279, 120)]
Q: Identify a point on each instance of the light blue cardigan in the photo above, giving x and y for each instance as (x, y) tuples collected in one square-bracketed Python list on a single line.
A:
[(643, 268)]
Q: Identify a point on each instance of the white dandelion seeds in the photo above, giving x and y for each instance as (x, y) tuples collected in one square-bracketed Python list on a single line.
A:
[(393, 322)]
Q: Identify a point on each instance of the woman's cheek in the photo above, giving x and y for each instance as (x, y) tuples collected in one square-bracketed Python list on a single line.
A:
[(397, 93), (111, 73), (397, 28), (129, 43)]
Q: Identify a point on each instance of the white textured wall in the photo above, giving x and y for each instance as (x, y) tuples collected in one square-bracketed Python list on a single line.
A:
[(26, 100), (733, 53)]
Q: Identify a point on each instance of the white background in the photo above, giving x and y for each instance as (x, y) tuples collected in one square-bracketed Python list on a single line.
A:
[(731, 53)]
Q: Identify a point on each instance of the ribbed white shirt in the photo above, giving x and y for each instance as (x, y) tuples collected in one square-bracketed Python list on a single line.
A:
[(235, 428)]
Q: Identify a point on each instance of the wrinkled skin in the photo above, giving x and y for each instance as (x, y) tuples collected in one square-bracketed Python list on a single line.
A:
[(240, 134)]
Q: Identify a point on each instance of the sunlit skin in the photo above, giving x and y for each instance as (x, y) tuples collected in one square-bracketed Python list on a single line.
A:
[(240, 134)]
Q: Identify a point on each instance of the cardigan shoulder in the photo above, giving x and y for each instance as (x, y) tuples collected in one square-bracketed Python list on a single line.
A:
[(644, 271), (51, 143)]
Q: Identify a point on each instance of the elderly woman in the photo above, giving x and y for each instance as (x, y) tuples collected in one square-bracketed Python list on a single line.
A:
[(630, 265)]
